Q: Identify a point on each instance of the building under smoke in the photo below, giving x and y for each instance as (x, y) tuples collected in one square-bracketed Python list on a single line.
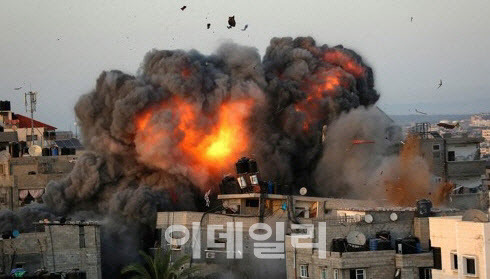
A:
[(158, 140)]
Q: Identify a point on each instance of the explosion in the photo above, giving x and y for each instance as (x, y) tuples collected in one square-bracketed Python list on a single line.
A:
[(209, 144)]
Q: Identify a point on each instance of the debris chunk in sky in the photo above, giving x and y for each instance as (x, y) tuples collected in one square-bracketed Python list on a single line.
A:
[(447, 126), (440, 84), (209, 25), (18, 88), (231, 22), (183, 8), (417, 111), (245, 27)]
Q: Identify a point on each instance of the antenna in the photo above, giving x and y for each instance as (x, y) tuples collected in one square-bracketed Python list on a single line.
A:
[(31, 107)]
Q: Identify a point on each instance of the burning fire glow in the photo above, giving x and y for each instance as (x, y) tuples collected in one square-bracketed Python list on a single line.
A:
[(205, 143)]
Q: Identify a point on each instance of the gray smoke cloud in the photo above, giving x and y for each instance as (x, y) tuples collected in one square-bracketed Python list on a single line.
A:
[(128, 174)]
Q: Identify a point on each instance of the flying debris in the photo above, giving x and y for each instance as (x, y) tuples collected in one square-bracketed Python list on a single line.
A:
[(417, 111), (206, 198), (231, 22), (362, 141), (411, 19), (209, 25), (18, 88), (245, 27), (183, 8), (448, 126), (440, 84)]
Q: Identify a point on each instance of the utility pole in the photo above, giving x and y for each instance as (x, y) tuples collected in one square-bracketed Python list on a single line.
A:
[(31, 108)]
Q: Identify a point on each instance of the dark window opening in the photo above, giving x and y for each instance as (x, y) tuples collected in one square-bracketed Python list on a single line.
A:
[(425, 273), (470, 266), (455, 260), (252, 203), (436, 147), (436, 251), (81, 236), (451, 156)]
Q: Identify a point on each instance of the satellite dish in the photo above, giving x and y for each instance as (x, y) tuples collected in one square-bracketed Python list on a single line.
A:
[(35, 150), (356, 238), (303, 191), (15, 233), (368, 218), (475, 215), (393, 216)]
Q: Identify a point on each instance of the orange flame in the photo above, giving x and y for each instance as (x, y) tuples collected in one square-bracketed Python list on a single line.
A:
[(345, 61), (208, 144)]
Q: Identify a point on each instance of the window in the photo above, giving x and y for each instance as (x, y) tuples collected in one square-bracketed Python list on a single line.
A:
[(451, 156), (454, 260), (252, 203), (357, 274), (28, 137), (303, 271), (469, 265), (335, 274), (436, 252), (425, 273), (436, 147), (81, 236), (324, 273)]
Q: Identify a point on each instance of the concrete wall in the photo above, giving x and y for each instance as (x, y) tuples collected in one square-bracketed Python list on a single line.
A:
[(57, 249), (463, 238), (32, 173)]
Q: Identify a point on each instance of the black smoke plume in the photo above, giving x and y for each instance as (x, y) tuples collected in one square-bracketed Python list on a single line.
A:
[(296, 88)]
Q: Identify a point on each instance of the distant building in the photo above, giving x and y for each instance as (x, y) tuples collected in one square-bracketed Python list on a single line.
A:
[(72, 247), (480, 120), (461, 246)]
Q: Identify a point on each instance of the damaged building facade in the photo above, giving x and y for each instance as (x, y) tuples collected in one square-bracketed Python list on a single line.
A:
[(455, 159)]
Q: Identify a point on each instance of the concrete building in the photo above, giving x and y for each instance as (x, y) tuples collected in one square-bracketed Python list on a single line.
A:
[(480, 120), (455, 159), (56, 248), (461, 246), (375, 262), (368, 218), (23, 179)]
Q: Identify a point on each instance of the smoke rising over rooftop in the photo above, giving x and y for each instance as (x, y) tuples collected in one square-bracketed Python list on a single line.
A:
[(157, 140)]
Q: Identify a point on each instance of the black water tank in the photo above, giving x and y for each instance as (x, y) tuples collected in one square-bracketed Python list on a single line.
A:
[(407, 245), (242, 165), (252, 166), (46, 151), (423, 208), (383, 235), (6, 105), (384, 245), (339, 245), (65, 151), (2, 105)]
